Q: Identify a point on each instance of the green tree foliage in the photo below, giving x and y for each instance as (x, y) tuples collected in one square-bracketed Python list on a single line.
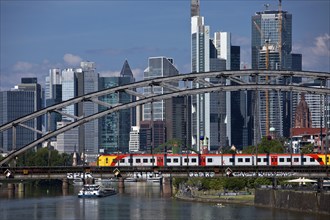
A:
[(173, 144), (307, 149), (234, 183), (44, 157), (266, 146), (262, 181)]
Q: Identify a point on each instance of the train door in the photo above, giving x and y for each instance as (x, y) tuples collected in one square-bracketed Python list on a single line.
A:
[(203, 160), (273, 160), (160, 161)]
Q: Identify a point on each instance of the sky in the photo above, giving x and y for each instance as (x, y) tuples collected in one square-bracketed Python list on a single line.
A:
[(38, 35)]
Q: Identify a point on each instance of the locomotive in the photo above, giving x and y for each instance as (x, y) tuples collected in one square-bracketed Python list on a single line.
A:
[(161, 160)]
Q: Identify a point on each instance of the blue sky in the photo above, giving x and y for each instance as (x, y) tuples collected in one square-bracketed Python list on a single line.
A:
[(38, 35)]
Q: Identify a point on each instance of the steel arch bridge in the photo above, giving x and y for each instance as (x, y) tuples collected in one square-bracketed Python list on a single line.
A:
[(171, 89)]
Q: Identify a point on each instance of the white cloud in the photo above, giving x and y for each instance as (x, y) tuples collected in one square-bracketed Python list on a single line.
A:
[(315, 53), (22, 66), (72, 59), (109, 73), (138, 74), (321, 45)]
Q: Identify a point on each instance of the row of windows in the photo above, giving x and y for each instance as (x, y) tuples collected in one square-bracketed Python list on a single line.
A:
[(210, 160), (247, 160)]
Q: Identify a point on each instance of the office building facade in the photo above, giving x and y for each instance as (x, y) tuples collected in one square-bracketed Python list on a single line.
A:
[(114, 129)]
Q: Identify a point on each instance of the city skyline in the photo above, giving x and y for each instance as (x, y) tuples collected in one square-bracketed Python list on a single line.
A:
[(36, 36)]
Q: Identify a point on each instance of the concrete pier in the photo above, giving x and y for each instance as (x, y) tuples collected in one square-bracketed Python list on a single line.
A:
[(166, 184), (121, 183), (21, 187)]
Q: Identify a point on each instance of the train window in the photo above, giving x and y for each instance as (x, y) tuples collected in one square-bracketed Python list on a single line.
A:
[(259, 160), (265, 160), (130, 160), (145, 160), (193, 160), (247, 160), (152, 160), (185, 160), (106, 160), (122, 161), (296, 159), (319, 159), (175, 160), (327, 159), (231, 160), (114, 161), (168, 160), (138, 160), (311, 159), (240, 160), (304, 160), (281, 159), (209, 160), (288, 159)]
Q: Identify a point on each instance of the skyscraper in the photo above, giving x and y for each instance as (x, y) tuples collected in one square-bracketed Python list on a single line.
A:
[(88, 81), (53, 95), (157, 67), (114, 129), (14, 104), (271, 50)]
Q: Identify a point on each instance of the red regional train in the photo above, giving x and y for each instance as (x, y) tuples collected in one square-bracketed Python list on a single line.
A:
[(161, 160)]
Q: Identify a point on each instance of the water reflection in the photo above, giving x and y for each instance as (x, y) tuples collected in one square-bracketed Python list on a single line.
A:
[(135, 201)]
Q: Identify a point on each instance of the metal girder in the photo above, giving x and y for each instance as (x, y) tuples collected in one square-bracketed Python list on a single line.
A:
[(136, 94), (165, 82), (67, 115), (169, 87), (105, 104), (30, 128)]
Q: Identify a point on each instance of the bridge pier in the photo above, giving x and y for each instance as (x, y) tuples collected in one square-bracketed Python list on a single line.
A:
[(166, 184), (11, 190), (65, 186), (121, 183)]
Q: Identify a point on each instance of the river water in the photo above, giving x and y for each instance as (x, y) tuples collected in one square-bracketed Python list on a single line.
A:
[(137, 201)]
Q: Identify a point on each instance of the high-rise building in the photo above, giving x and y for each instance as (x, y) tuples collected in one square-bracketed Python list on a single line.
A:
[(157, 67), (15, 104), (67, 141), (114, 129), (134, 139), (53, 95), (178, 119), (31, 84), (88, 81), (271, 49), (212, 115)]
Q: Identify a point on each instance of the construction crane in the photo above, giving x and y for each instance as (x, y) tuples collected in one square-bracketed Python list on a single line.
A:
[(280, 32), (267, 68)]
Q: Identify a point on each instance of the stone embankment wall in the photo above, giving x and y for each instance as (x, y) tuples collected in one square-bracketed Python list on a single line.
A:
[(307, 201)]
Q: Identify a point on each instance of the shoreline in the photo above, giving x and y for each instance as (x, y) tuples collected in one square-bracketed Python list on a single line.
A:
[(239, 201)]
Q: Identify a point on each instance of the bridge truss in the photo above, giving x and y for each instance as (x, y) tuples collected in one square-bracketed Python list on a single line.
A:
[(171, 88)]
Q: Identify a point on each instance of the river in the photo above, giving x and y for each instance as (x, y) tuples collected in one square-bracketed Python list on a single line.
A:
[(137, 201)]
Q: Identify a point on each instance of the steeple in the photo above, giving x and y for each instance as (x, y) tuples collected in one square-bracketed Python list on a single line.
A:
[(126, 70), (194, 8)]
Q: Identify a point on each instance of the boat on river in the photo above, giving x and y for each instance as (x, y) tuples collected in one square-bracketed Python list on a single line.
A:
[(95, 190)]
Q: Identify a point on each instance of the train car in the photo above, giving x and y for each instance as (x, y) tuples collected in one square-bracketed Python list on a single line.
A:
[(162, 160)]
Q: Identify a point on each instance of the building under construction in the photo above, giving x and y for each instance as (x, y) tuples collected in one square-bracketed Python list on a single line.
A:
[(272, 50)]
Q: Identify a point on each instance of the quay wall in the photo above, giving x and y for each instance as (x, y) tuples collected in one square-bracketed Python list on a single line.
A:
[(306, 201)]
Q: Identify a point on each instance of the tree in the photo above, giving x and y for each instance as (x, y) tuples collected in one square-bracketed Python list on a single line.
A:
[(307, 149), (266, 146), (173, 144)]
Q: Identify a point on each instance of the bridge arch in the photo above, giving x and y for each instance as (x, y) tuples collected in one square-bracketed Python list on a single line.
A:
[(173, 91)]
